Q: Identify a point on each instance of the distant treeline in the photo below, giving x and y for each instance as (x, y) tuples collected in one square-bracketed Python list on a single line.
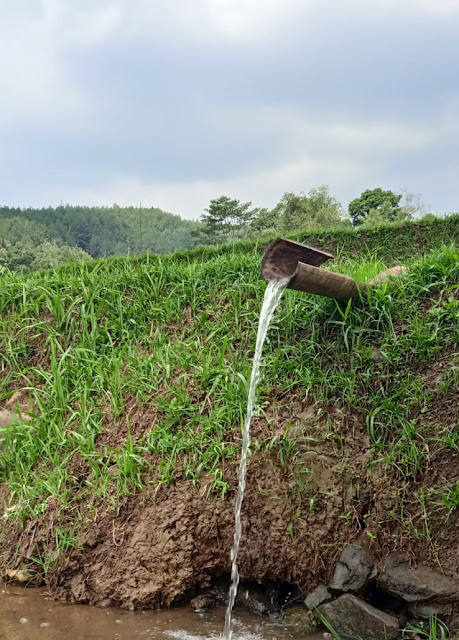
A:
[(32, 239), (44, 238)]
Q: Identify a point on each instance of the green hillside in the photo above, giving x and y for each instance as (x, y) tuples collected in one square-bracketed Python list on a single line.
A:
[(135, 372), (31, 239)]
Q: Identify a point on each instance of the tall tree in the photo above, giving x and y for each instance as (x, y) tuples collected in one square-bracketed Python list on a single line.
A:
[(316, 209), (225, 219), (265, 220), (374, 199)]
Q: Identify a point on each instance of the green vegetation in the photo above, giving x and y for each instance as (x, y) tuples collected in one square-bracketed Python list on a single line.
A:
[(372, 201), (375, 207), (228, 220), (391, 242), (433, 629), (32, 239), (137, 373), (317, 209), (224, 220)]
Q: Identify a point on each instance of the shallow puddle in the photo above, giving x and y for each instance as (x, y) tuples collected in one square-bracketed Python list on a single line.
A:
[(29, 614)]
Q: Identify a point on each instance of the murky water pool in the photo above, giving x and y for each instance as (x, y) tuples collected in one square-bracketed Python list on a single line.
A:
[(29, 614)]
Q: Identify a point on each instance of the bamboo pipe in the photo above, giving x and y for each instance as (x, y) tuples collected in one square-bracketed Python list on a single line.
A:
[(288, 259), (324, 283)]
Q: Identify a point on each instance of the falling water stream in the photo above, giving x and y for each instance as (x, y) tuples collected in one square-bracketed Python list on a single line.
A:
[(273, 294)]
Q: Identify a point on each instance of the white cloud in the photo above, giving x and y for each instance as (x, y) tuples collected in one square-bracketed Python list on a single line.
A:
[(442, 7), (211, 21), (189, 198), (249, 22), (95, 26), (37, 88), (300, 129), (349, 156), (346, 175)]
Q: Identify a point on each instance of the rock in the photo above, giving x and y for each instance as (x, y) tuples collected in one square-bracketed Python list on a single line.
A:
[(255, 600), (299, 618), (417, 584), (8, 418), (282, 594), (351, 617), (218, 594), (319, 596), (106, 603), (23, 577), (356, 566), (210, 597), (201, 603), (18, 575), (19, 400), (385, 275), (424, 611)]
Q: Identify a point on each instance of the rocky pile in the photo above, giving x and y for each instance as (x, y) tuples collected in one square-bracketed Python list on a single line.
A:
[(371, 602), (364, 598)]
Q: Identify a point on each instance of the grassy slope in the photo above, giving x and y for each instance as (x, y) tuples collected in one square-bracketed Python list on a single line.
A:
[(138, 370)]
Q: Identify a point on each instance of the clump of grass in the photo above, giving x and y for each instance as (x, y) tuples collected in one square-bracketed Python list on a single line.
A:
[(434, 629)]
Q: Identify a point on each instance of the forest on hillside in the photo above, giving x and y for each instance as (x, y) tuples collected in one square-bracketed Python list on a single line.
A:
[(32, 239)]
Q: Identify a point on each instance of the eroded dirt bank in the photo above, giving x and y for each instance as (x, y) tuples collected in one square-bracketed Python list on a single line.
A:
[(164, 546)]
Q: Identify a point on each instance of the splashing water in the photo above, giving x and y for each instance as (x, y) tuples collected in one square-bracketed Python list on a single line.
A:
[(272, 298)]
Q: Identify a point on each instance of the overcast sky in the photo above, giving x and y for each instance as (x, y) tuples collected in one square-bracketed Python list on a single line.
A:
[(175, 102)]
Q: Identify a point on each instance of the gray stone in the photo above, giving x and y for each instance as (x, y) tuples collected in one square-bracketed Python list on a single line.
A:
[(425, 611), (356, 566), (200, 603), (351, 617), (106, 603), (300, 619), (210, 597), (417, 584), (255, 600), (8, 418), (319, 596)]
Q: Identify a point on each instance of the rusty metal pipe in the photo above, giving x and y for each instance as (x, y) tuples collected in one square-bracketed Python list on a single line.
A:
[(288, 259)]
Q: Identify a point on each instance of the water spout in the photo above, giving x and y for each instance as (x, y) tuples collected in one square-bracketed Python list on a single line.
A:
[(301, 265), (272, 298)]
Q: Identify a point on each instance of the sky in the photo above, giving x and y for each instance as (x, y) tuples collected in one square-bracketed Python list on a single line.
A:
[(175, 102)]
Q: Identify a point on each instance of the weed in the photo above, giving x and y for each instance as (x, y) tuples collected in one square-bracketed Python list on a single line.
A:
[(435, 629)]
